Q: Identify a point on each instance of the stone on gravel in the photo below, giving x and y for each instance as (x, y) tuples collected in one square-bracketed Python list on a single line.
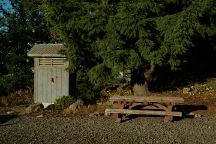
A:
[(78, 104), (36, 107), (10, 112), (95, 114), (40, 116), (195, 115), (50, 107)]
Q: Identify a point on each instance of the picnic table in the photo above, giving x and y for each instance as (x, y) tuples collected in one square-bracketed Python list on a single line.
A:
[(145, 105)]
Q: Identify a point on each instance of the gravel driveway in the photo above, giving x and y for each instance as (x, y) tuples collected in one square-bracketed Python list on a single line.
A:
[(84, 130)]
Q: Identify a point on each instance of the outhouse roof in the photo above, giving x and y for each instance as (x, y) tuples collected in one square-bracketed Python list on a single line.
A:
[(46, 50)]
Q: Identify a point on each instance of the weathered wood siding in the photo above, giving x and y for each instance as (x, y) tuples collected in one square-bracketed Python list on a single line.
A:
[(51, 82)]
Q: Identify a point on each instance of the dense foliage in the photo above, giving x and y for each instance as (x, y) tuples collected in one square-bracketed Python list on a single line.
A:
[(105, 37), (64, 101), (21, 25)]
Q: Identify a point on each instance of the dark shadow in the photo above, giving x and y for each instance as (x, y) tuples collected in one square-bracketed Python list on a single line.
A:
[(72, 85), (168, 80), (187, 109), (6, 118), (132, 116), (198, 65)]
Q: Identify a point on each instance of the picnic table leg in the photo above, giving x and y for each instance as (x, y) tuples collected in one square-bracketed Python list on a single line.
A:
[(168, 118), (116, 116)]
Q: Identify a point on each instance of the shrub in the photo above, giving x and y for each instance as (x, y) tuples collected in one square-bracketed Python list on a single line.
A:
[(85, 90), (64, 101), (14, 82)]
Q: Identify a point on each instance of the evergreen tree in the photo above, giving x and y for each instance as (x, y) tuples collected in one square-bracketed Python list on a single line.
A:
[(80, 25), (105, 37)]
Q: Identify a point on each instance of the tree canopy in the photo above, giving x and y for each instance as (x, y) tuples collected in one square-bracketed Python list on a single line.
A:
[(105, 37), (21, 25)]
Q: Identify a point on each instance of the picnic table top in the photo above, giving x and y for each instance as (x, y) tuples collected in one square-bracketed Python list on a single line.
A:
[(148, 99)]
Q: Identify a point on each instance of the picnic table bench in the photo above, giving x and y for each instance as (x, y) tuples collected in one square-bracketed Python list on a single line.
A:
[(146, 105)]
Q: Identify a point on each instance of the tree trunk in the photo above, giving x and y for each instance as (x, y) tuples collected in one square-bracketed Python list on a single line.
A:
[(142, 89), (148, 74)]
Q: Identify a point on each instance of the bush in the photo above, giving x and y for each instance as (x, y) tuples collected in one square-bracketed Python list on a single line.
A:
[(64, 101), (13, 82), (85, 90)]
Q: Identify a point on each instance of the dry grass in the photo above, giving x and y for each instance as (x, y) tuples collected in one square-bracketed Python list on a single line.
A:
[(20, 97), (121, 90), (86, 110)]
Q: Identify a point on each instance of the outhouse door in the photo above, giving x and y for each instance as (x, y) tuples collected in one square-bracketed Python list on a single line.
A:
[(52, 80)]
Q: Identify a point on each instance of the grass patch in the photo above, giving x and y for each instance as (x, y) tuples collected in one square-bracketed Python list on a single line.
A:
[(86, 110), (208, 86)]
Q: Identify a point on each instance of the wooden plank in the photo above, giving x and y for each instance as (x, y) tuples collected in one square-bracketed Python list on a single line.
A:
[(45, 87), (168, 118), (49, 85), (148, 99), (65, 82), (58, 82), (40, 85), (152, 107), (160, 106), (54, 85), (142, 112), (35, 80)]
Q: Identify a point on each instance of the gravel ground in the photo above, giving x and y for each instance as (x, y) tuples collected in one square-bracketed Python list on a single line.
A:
[(84, 130)]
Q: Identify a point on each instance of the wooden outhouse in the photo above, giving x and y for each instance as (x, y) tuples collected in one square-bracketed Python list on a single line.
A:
[(51, 80)]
